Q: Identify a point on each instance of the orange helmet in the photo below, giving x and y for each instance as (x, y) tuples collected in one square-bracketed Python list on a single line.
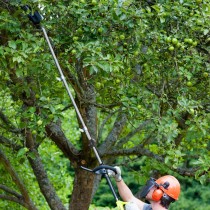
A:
[(169, 185)]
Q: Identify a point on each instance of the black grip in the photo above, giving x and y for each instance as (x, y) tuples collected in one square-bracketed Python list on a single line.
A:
[(105, 167), (100, 168)]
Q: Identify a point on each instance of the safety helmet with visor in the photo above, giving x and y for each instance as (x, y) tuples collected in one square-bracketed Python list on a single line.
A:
[(167, 184)]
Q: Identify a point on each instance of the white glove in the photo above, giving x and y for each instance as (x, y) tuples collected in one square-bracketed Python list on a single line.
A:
[(117, 175)]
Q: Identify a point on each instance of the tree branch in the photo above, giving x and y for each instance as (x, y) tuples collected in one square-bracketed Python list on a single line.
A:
[(13, 199), (82, 76), (10, 191), (17, 181), (102, 106), (111, 139), (8, 123), (132, 133), (46, 187), (105, 107), (140, 151), (55, 133), (104, 123), (74, 82), (6, 142)]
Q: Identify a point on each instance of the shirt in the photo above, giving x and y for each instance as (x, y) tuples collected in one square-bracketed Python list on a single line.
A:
[(147, 207)]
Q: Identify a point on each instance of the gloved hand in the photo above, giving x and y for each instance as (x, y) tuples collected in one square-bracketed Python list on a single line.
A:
[(117, 175)]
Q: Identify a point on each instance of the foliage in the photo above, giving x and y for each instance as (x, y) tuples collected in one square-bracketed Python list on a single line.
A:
[(139, 72)]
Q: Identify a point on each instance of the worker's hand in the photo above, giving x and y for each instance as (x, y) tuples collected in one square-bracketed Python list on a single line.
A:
[(117, 175)]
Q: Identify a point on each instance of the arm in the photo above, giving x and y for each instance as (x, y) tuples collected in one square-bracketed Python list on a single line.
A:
[(125, 192), (127, 195)]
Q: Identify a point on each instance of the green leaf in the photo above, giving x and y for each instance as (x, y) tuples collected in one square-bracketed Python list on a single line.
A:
[(22, 152), (12, 44), (162, 20), (18, 59), (206, 31), (156, 8)]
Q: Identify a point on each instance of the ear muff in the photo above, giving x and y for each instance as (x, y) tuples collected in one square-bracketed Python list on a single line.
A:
[(157, 195)]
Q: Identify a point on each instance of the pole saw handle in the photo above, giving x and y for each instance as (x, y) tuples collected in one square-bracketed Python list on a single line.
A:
[(105, 167), (102, 169)]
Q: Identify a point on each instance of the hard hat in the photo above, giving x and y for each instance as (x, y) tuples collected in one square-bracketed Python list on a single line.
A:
[(169, 185)]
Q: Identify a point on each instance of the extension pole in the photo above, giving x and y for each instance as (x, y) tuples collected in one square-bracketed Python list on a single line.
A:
[(70, 95)]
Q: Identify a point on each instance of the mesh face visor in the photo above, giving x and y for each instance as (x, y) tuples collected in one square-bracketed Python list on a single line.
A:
[(149, 185)]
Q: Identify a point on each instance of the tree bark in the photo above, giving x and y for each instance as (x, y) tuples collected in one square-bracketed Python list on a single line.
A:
[(82, 190), (45, 186)]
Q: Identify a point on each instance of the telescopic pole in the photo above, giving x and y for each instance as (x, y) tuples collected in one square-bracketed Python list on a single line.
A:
[(70, 95), (36, 19)]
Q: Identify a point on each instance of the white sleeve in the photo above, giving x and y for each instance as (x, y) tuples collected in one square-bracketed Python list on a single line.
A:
[(131, 206)]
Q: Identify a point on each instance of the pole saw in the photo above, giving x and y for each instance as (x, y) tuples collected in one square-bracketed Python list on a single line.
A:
[(36, 19)]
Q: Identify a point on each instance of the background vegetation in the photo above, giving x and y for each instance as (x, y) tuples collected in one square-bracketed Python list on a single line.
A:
[(139, 72)]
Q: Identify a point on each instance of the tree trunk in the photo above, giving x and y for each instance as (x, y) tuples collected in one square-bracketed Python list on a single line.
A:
[(83, 190)]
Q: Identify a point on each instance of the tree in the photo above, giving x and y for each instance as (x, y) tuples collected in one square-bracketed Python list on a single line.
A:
[(140, 75)]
